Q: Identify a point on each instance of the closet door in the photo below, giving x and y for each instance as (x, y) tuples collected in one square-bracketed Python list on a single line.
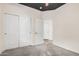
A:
[(48, 29), (38, 31), (11, 31), (25, 31)]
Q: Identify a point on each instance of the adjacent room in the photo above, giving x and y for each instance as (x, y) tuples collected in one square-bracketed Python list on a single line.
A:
[(39, 29)]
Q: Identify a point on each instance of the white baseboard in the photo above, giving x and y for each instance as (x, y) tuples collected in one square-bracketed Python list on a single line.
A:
[(65, 47)]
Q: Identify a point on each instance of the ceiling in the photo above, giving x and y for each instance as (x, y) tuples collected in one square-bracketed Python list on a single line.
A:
[(42, 6)]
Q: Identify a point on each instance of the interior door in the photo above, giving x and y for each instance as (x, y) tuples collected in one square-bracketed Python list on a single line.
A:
[(48, 29), (38, 31), (11, 31), (25, 31)]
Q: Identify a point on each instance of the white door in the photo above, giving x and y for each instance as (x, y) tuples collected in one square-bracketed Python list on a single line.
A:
[(25, 31), (11, 31), (48, 29), (38, 31)]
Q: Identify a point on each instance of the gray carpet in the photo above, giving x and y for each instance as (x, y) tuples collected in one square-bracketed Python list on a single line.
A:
[(46, 49)]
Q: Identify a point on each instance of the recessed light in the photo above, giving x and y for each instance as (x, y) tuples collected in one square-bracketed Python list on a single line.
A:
[(40, 7)]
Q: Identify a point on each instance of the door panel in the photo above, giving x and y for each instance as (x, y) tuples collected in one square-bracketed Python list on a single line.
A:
[(48, 29), (25, 31), (39, 26), (11, 31), (38, 31)]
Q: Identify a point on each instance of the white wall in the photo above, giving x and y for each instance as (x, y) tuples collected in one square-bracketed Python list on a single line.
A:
[(23, 12), (1, 32), (65, 21), (67, 27)]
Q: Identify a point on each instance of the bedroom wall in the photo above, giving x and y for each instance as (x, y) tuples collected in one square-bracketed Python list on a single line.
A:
[(23, 12), (66, 27), (1, 32)]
